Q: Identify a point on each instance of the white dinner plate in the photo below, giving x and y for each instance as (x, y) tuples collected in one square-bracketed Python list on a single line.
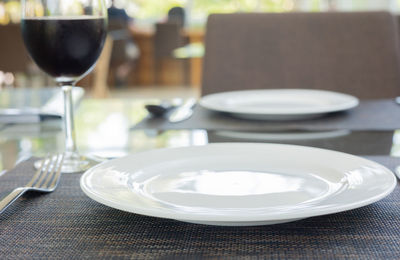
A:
[(279, 104), (238, 184)]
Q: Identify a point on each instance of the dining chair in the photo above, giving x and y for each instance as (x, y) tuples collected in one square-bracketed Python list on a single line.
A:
[(13, 55), (353, 52), (168, 37), (125, 52)]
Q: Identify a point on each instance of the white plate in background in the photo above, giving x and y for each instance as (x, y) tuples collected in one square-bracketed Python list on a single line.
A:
[(279, 104)]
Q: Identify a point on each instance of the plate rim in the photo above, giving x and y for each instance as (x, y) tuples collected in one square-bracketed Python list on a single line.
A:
[(352, 102), (238, 219)]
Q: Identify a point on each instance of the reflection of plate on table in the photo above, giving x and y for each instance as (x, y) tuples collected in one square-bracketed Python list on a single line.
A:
[(282, 136), (238, 184), (279, 104)]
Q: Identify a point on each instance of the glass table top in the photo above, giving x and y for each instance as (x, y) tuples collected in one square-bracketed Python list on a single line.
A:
[(103, 128)]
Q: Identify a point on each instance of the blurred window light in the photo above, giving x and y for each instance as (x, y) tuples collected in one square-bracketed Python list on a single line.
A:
[(9, 79), (33, 8), (71, 7), (14, 10), (2, 76), (4, 17), (151, 11)]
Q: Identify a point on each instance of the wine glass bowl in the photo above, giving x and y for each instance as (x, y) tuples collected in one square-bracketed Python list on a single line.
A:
[(66, 48), (65, 39)]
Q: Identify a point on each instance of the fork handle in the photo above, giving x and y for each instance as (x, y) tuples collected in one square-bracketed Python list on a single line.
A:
[(13, 196)]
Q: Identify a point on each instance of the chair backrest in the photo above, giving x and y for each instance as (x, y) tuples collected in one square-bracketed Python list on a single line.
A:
[(13, 55), (354, 53), (167, 37)]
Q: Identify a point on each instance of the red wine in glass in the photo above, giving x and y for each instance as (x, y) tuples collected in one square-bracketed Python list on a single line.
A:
[(65, 48)]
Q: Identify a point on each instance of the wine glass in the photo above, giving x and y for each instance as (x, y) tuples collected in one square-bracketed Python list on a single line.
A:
[(65, 39)]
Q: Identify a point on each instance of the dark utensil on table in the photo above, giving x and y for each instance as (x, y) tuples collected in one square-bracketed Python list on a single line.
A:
[(159, 110), (180, 110)]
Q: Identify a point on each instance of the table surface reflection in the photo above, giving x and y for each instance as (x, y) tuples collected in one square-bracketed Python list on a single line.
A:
[(103, 129)]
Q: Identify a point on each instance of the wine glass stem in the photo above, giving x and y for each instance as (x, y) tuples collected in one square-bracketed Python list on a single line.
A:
[(69, 130)]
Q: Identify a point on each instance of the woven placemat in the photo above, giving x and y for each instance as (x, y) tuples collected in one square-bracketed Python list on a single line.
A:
[(67, 224), (383, 114)]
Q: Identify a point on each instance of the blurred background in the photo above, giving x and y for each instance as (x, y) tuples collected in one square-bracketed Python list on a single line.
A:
[(153, 46)]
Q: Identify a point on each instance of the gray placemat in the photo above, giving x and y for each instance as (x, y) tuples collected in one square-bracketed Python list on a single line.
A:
[(381, 114), (67, 224)]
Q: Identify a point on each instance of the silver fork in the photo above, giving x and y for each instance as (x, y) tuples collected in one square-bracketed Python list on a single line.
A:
[(45, 180)]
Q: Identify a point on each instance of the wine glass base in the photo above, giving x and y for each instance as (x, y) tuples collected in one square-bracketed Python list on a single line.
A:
[(73, 164)]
